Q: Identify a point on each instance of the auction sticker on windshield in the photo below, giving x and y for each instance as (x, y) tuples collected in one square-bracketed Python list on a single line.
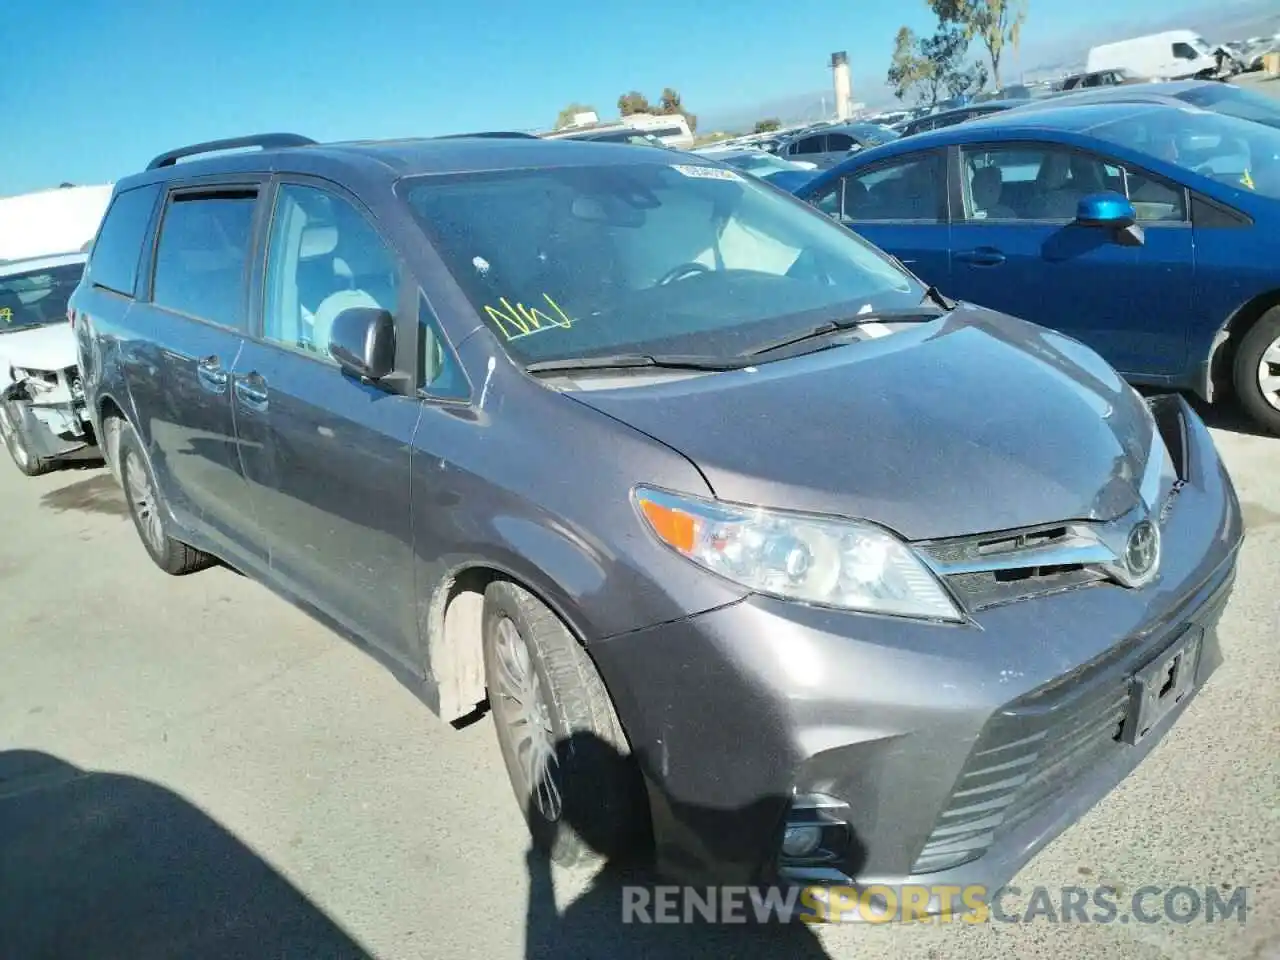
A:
[(705, 173)]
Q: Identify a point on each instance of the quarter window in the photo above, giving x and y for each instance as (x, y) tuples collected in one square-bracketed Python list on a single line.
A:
[(117, 251), (202, 254), (323, 257), (439, 373)]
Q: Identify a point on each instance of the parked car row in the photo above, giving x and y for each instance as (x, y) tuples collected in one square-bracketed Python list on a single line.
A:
[(1147, 231), (757, 545)]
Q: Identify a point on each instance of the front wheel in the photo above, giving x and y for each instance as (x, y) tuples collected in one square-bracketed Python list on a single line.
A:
[(1257, 371), (560, 737), (16, 442)]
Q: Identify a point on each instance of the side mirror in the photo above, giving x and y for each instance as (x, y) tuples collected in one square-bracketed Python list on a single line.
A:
[(363, 341), (1105, 210), (1114, 212)]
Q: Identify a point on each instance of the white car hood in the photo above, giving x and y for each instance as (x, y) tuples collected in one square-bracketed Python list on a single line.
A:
[(40, 348)]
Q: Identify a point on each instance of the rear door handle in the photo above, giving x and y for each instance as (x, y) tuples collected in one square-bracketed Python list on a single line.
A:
[(211, 374), (982, 257), (251, 391)]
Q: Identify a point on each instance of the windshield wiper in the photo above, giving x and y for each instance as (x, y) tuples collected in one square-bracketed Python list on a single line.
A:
[(621, 361), (847, 323)]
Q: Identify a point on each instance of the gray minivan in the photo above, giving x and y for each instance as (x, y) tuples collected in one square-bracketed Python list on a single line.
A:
[(769, 560)]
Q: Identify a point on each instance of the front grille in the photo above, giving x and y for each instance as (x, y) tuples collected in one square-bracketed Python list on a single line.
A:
[(1032, 750), (1009, 577)]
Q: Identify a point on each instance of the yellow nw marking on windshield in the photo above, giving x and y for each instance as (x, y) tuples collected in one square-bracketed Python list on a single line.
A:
[(516, 320)]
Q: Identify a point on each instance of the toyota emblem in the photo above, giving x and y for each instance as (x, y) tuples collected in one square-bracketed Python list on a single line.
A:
[(1142, 552)]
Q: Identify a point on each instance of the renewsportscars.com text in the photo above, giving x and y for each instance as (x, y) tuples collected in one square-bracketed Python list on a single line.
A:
[(1181, 904)]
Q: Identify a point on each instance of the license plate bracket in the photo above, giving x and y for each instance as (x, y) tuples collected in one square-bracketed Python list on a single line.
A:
[(1159, 687)]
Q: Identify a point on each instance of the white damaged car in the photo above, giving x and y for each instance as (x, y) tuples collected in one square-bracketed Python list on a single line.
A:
[(42, 412)]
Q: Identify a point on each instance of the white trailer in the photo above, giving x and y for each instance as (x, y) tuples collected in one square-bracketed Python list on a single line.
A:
[(48, 222)]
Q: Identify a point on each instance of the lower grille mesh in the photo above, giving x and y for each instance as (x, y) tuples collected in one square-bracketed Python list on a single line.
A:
[(1033, 750)]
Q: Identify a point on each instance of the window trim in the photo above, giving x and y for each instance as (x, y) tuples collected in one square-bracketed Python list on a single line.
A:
[(901, 159), (197, 187), (959, 216)]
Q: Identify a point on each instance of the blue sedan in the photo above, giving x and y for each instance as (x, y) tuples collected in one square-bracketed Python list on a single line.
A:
[(1149, 232)]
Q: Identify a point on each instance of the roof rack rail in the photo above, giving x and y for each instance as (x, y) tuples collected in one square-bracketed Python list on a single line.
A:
[(266, 141), (492, 134)]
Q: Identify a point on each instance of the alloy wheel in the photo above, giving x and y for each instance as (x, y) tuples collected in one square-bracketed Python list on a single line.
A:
[(142, 496), (521, 707), (1269, 373)]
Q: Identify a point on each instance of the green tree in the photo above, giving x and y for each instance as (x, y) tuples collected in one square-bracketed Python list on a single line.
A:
[(767, 126), (996, 23), (633, 102), (567, 114), (926, 68)]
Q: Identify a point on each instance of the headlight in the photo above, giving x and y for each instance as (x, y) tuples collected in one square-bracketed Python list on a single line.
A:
[(812, 559)]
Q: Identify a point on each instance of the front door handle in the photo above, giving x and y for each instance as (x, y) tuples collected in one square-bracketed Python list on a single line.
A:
[(251, 391), (211, 374), (982, 257)]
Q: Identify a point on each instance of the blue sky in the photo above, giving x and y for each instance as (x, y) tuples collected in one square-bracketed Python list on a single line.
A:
[(92, 89)]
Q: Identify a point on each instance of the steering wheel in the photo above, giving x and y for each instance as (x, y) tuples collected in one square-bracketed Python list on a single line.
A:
[(682, 271)]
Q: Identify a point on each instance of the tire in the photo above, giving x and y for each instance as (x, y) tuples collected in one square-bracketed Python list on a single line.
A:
[(1258, 356), (147, 509), (16, 442), (601, 815)]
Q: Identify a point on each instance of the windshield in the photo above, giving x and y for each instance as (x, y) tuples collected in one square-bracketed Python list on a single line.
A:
[(37, 298), (646, 257), (1235, 152), (1232, 101)]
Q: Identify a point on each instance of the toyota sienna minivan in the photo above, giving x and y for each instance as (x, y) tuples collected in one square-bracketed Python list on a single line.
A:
[(853, 583)]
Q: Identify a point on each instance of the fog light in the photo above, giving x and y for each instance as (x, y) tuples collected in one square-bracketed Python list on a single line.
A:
[(801, 840)]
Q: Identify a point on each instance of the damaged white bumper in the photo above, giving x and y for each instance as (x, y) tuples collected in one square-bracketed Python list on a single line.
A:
[(49, 405)]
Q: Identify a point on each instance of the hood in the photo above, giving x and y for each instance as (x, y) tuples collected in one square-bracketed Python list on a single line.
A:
[(38, 348), (969, 424)]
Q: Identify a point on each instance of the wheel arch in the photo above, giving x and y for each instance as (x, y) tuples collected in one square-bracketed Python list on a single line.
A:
[(110, 415), (1222, 350), (453, 631)]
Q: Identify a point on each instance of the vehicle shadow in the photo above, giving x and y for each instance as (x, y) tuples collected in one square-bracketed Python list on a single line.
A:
[(106, 865), (600, 924)]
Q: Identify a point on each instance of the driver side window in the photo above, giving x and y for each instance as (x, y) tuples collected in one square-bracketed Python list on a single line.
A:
[(323, 257)]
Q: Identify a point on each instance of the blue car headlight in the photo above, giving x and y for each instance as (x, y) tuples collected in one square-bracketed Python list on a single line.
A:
[(829, 561)]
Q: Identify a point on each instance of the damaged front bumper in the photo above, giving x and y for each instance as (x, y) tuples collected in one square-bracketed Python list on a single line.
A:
[(49, 407), (907, 756)]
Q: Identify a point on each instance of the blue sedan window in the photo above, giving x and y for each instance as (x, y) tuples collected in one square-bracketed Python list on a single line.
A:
[(1235, 152)]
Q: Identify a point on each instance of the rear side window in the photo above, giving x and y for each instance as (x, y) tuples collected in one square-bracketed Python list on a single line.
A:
[(202, 254), (117, 251)]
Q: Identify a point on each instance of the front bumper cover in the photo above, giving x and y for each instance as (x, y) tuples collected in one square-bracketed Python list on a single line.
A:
[(992, 737)]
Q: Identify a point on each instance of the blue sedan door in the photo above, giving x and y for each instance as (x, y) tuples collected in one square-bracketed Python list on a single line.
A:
[(1015, 247), (900, 206)]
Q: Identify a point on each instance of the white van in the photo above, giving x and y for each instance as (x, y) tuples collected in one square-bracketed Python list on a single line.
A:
[(1172, 55)]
